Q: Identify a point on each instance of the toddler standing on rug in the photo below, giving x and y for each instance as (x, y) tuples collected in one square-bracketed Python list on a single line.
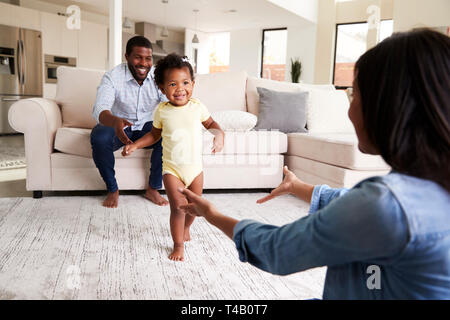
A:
[(178, 123)]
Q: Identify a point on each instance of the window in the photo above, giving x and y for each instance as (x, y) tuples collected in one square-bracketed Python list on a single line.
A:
[(219, 57), (273, 64), (386, 29), (351, 43)]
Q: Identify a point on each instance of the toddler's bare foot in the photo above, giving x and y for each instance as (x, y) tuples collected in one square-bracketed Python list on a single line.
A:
[(187, 234), (177, 252), (112, 200), (154, 196)]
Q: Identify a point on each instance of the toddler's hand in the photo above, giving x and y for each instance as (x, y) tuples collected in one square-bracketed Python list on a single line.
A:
[(218, 144), (128, 149)]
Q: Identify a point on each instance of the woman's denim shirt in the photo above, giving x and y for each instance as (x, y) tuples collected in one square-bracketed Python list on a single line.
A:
[(386, 238)]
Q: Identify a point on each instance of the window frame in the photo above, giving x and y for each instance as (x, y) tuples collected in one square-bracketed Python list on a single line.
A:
[(335, 49), (262, 47)]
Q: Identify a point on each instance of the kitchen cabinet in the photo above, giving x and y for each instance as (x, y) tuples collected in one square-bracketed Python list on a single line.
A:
[(12, 15), (57, 39), (88, 44)]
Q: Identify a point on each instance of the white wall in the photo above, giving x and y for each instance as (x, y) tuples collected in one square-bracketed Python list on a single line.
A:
[(304, 8), (356, 11), (301, 43), (245, 51), (410, 14), (326, 25), (55, 8)]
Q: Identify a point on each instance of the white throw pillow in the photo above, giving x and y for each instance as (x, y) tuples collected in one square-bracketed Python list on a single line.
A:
[(234, 120), (327, 112)]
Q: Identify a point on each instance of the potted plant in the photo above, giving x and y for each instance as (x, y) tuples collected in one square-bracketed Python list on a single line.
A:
[(296, 70)]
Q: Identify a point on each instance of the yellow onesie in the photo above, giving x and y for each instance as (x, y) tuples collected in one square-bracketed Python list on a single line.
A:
[(182, 138)]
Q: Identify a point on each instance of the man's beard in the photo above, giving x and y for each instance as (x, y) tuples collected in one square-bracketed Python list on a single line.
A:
[(135, 74)]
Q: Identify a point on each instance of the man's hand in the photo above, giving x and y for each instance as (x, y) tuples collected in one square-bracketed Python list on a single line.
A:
[(197, 205), (119, 125), (128, 149), (286, 186)]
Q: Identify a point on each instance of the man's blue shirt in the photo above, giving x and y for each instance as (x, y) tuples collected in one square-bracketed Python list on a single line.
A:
[(120, 93)]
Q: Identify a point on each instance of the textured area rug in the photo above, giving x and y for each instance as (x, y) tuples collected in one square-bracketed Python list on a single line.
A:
[(12, 157), (73, 248)]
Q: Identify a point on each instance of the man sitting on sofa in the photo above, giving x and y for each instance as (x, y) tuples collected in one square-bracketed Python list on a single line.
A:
[(126, 99)]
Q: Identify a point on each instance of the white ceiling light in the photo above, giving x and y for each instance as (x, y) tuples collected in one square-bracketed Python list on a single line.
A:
[(195, 38), (165, 30)]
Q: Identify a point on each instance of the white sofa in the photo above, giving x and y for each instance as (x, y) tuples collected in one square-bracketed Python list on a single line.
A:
[(58, 151)]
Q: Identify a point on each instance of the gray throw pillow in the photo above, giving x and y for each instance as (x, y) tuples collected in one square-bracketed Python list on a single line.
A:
[(285, 111)]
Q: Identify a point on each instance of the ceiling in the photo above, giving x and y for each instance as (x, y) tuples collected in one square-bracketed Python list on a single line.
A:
[(213, 15)]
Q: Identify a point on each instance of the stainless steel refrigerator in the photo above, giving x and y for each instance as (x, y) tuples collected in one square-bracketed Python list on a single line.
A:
[(20, 69)]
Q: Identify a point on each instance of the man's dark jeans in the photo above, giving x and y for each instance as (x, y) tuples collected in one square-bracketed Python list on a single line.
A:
[(104, 142)]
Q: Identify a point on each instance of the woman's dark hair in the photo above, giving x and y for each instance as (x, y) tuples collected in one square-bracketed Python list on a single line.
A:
[(404, 84), (137, 41), (171, 61)]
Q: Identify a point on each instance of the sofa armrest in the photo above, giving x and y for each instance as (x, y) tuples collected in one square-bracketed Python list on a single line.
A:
[(38, 119)]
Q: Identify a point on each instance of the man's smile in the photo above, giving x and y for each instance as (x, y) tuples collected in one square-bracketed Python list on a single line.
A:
[(142, 71)]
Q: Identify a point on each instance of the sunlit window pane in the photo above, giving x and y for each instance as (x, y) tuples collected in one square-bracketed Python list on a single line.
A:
[(219, 57), (386, 28), (351, 43), (274, 54)]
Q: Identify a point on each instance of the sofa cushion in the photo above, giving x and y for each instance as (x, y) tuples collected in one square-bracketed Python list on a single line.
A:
[(327, 112), (315, 172), (339, 149), (75, 94), (234, 120), (76, 141), (285, 111), (253, 83), (221, 91), (249, 142)]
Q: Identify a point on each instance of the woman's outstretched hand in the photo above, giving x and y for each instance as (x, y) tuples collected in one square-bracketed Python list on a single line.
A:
[(197, 205), (286, 186), (201, 207)]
